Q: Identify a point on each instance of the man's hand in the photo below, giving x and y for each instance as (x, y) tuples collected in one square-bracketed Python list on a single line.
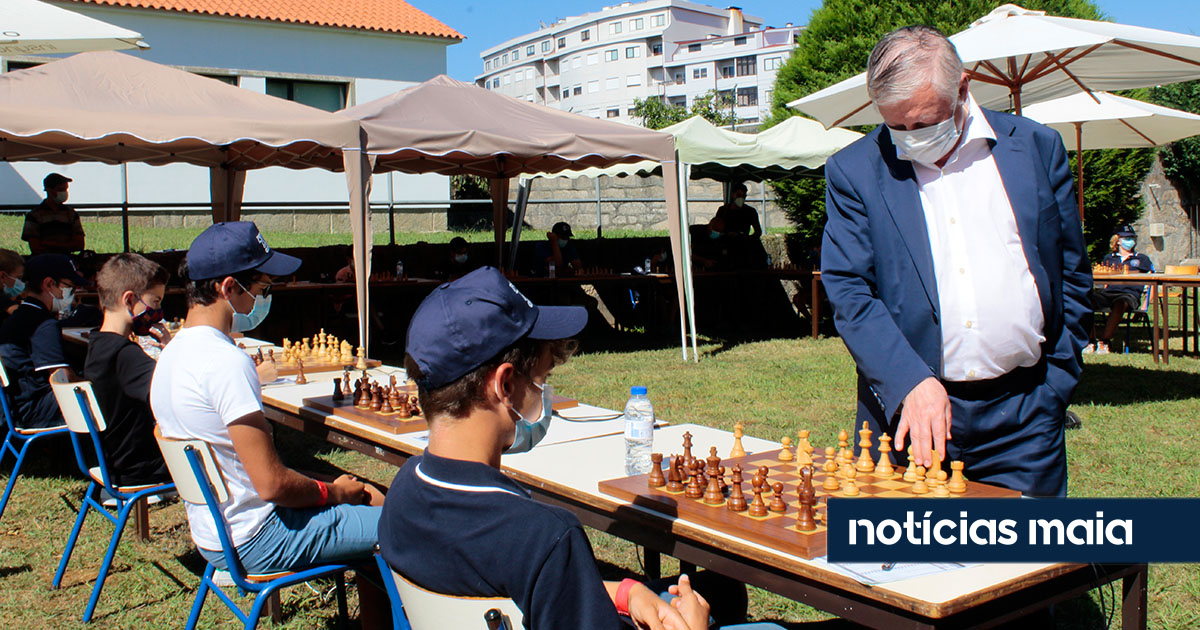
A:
[(925, 417), (348, 489), (648, 610), (690, 604)]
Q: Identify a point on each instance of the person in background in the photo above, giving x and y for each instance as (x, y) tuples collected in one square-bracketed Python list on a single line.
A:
[(459, 261), (1120, 299), (559, 250), (12, 268), (131, 291), (53, 227), (740, 219), (31, 343)]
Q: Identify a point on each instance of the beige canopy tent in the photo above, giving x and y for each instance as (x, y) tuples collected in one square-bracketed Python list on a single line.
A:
[(450, 127), (114, 108)]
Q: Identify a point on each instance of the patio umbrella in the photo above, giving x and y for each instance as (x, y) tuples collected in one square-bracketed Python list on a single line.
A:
[(1112, 122), (1016, 56), (30, 27)]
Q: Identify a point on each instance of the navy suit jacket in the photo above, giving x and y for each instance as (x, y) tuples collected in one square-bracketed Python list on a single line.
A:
[(877, 265)]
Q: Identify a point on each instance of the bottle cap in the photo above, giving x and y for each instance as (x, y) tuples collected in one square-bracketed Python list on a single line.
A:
[(638, 390)]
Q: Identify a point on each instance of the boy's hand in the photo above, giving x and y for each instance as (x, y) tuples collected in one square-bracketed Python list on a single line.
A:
[(348, 489), (160, 334), (648, 610), (267, 372), (690, 604)]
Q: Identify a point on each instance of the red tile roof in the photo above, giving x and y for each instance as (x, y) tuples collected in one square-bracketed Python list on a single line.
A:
[(391, 16)]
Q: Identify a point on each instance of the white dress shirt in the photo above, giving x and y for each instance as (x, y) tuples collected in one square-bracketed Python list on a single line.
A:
[(991, 317)]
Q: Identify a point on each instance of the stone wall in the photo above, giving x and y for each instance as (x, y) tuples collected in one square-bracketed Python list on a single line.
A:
[(1179, 242), (307, 220)]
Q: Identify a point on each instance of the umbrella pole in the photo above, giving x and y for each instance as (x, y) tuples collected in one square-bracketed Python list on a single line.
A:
[(1016, 98), (1079, 167)]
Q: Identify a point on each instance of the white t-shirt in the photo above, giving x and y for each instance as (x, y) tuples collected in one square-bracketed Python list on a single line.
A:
[(201, 384)]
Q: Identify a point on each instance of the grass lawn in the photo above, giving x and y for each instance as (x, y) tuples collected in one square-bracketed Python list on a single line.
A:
[(1138, 434)]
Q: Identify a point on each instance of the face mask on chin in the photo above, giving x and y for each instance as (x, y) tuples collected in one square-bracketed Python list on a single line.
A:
[(928, 144), (251, 320), (528, 433), (62, 305)]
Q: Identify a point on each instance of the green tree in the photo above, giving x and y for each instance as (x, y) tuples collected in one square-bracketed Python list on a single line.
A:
[(656, 113), (1181, 160), (835, 46)]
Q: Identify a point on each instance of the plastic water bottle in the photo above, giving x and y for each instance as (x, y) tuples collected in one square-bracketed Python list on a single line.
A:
[(639, 431), (550, 270), (647, 266), (399, 269)]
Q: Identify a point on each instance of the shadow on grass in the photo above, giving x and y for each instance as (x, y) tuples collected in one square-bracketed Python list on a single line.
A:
[(11, 571), (1103, 384)]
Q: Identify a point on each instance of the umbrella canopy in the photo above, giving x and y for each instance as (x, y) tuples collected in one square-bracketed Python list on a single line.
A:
[(1016, 56), (30, 27), (450, 127), (112, 107)]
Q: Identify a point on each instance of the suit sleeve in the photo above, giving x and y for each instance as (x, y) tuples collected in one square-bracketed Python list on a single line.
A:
[(1064, 363), (885, 358)]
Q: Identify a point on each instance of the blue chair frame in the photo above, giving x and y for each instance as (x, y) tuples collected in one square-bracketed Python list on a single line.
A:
[(18, 440), (264, 588), (127, 497), (399, 620)]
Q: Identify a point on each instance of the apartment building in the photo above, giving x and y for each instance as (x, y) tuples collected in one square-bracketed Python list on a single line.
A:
[(597, 64)]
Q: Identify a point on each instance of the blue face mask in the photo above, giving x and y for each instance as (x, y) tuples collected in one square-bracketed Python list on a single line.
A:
[(530, 433), (1128, 243), (251, 320), (713, 234), (16, 289)]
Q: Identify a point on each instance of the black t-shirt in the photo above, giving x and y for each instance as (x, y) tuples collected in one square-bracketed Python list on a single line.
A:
[(463, 528), (120, 372), (31, 348), (738, 220)]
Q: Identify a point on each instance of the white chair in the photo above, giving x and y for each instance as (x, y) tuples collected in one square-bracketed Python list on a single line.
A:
[(199, 481), (420, 609)]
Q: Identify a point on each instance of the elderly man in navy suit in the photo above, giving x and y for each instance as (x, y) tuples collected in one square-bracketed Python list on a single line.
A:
[(954, 258)]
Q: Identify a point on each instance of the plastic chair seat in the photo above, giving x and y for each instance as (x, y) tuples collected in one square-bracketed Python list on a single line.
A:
[(96, 475)]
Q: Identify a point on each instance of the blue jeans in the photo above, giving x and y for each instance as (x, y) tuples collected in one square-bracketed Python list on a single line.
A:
[(297, 538), (726, 597)]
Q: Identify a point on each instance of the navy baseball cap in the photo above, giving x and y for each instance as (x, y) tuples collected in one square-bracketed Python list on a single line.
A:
[(465, 323), (562, 228), (232, 247), (1126, 230), (56, 266)]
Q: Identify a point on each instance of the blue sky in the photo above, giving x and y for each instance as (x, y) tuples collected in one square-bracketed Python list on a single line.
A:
[(488, 23)]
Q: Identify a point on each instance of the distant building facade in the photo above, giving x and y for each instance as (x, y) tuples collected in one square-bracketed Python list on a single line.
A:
[(597, 64), (327, 55)]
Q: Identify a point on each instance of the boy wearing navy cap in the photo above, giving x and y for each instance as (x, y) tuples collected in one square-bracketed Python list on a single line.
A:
[(31, 339), (205, 387), (1118, 298), (481, 353)]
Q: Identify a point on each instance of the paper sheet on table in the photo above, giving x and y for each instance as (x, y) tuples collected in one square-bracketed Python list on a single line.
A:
[(875, 573)]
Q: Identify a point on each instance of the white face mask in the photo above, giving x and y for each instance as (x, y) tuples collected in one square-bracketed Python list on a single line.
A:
[(739, 201), (63, 304), (60, 196), (928, 144)]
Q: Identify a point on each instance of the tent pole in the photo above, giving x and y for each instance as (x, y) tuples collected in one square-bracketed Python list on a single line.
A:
[(524, 187), (599, 221), (686, 263), (1079, 166), (499, 190), (125, 204), (391, 211)]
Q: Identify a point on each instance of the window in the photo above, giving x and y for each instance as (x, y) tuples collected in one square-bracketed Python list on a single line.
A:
[(529, 74), (633, 79), (577, 90), (693, 47), (726, 72), (327, 96), (656, 49), (747, 66), (747, 96), (614, 28), (520, 76), (637, 24), (767, 95), (610, 55), (699, 73), (504, 59), (529, 50), (632, 51), (577, 61), (566, 93), (593, 87), (546, 45), (630, 113), (680, 77), (507, 79), (487, 65), (22, 65), (658, 20), (739, 41), (614, 113), (771, 63), (585, 35), (724, 98), (516, 54), (562, 42), (593, 59), (612, 83)]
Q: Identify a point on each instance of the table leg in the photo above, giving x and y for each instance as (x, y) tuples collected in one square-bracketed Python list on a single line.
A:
[(1183, 317), (1166, 325), (653, 564), (816, 304), (1196, 319), (141, 519), (1133, 604), (1154, 347)]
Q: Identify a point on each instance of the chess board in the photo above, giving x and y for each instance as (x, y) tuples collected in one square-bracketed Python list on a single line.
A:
[(312, 365), (778, 529), (391, 422)]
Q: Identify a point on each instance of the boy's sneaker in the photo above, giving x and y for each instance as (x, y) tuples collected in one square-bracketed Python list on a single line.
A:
[(1101, 347), (1089, 349)]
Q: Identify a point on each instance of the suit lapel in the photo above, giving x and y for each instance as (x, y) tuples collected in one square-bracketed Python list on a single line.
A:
[(1015, 161), (899, 189)]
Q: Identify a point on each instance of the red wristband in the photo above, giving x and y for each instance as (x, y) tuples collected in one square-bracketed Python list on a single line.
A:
[(324, 493), (622, 598)]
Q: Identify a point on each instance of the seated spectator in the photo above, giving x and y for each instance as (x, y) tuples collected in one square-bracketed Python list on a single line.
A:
[(12, 267), (710, 252), (481, 354), (205, 388), (53, 227), (1119, 298), (31, 344), (131, 291), (558, 250), (740, 219), (459, 261)]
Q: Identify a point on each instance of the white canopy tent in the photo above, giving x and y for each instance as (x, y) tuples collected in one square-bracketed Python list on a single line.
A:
[(1015, 56), (31, 27)]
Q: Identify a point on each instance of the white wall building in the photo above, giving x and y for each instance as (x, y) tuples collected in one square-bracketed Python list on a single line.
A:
[(597, 64), (328, 55)]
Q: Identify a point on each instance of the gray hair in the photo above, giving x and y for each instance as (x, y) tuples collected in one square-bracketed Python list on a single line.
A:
[(908, 59)]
